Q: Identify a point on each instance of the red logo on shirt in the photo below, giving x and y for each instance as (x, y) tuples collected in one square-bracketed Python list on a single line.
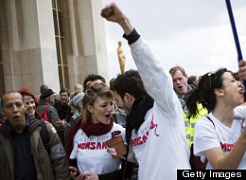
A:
[(226, 147), (140, 140), (143, 139), (153, 125), (92, 145)]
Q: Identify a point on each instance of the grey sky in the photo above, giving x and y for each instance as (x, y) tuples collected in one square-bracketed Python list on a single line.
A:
[(195, 34)]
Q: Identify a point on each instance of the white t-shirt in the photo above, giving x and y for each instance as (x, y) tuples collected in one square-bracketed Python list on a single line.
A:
[(208, 136), (160, 145), (91, 153)]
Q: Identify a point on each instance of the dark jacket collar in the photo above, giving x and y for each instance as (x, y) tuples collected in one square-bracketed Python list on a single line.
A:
[(33, 124)]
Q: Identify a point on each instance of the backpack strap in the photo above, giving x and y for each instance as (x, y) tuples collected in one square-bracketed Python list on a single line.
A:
[(44, 134), (46, 107), (211, 121), (197, 159), (44, 114)]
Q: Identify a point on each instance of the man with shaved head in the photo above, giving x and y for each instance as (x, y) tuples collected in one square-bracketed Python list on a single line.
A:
[(23, 153)]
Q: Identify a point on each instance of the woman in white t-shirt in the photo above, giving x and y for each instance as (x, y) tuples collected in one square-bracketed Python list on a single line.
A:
[(220, 137), (87, 138)]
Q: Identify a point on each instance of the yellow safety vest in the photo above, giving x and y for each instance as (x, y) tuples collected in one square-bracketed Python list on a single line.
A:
[(190, 123)]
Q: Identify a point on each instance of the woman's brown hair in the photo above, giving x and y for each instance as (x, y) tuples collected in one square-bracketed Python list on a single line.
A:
[(91, 94)]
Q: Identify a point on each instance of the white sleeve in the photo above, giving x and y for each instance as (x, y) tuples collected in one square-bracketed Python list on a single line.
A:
[(157, 81), (205, 137), (240, 112)]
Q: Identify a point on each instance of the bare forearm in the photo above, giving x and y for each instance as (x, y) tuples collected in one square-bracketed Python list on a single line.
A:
[(234, 157), (126, 25)]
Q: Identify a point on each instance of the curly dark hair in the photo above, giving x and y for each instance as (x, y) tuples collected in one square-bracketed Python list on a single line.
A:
[(128, 82)]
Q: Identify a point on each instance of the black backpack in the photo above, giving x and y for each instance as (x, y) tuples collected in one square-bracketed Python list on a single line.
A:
[(44, 134)]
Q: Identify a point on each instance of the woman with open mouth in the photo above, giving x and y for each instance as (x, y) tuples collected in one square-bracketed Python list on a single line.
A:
[(89, 155), (220, 136)]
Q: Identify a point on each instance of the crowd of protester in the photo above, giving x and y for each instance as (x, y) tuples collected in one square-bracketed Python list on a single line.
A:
[(162, 122)]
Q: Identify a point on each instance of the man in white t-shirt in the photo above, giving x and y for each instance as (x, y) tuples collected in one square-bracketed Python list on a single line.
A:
[(155, 127)]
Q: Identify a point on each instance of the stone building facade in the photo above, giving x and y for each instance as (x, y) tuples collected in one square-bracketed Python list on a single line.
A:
[(53, 42)]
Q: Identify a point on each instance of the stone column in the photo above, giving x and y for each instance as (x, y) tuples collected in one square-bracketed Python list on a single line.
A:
[(29, 49), (87, 53)]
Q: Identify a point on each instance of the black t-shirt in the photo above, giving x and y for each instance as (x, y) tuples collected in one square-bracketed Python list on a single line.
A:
[(64, 112)]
